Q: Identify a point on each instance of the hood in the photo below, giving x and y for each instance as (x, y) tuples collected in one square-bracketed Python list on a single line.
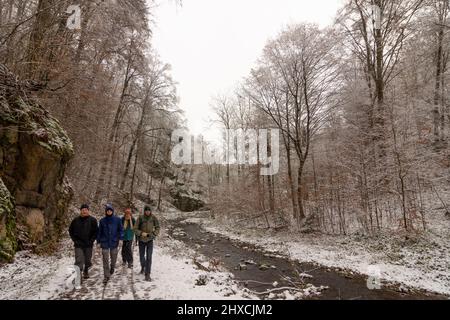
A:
[(109, 207)]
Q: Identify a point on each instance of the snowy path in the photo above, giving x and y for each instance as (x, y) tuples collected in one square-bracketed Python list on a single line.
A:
[(120, 287), (174, 276), (34, 277), (125, 283)]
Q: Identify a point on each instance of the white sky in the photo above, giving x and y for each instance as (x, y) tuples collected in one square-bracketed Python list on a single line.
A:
[(213, 44)]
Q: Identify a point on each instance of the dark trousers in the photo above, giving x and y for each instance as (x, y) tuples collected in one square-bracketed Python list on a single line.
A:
[(127, 252), (83, 258), (145, 255)]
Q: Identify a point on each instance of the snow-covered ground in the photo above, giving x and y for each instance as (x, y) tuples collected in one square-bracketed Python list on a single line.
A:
[(174, 276), (422, 261), (33, 277)]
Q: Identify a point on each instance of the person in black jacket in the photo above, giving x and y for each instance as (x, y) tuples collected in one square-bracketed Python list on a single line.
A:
[(83, 231)]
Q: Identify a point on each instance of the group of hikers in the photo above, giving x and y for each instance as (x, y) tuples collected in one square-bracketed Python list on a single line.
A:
[(108, 232)]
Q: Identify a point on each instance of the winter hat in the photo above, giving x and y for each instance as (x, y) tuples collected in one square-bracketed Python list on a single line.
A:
[(84, 206), (147, 208), (109, 207)]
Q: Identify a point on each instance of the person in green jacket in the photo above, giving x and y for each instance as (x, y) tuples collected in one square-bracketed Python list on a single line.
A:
[(128, 234), (146, 229)]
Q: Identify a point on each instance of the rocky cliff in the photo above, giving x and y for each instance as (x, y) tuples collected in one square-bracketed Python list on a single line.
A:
[(185, 198), (34, 152)]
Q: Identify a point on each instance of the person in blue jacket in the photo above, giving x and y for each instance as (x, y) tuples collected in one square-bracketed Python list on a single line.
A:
[(110, 232)]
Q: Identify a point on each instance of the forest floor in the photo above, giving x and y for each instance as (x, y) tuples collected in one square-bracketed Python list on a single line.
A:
[(418, 263)]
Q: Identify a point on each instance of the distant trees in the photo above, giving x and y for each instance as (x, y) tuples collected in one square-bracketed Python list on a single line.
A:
[(360, 107)]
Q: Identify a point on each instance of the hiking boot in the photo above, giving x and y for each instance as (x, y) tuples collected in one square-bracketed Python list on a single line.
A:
[(105, 280), (147, 278), (85, 275), (130, 266), (142, 271), (111, 271)]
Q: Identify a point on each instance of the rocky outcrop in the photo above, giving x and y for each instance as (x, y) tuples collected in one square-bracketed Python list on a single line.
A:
[(34, 152), (185, 199), (8, 242)]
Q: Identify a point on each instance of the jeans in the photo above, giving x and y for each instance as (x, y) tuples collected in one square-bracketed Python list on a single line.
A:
[(107, 253), (145, 255), (127, 252), (83, 257)]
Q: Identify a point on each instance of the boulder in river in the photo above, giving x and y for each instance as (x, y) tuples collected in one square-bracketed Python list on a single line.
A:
[(242, 266), (264, 267)]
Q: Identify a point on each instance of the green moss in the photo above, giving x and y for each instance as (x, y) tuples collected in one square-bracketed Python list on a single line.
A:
[(8, 244)]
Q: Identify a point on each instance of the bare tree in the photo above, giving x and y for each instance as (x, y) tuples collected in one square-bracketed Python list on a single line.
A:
[(299, 62)]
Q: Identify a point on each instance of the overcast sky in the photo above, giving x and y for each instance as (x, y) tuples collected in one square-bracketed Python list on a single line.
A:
[(213, 44)]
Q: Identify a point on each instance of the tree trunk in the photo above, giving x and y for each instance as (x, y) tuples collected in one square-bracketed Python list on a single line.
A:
[(292, 186), (437, 99), (133, 177), (301, 213), (127, 165), (160, 189), (37, 48)]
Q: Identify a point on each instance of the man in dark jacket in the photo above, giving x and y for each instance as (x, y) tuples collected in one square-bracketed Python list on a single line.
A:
[(110, 232), (147, 229), (127, 248), (83, 231)]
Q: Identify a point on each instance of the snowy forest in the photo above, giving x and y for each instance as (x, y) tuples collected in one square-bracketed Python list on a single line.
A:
[(360, 205)]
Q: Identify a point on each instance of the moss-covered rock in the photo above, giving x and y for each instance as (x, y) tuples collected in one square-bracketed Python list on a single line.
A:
[(35, 151), (8, 242), (31, 118)]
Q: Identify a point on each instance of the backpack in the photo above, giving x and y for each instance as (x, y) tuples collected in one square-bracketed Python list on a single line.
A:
[(139, 222)]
